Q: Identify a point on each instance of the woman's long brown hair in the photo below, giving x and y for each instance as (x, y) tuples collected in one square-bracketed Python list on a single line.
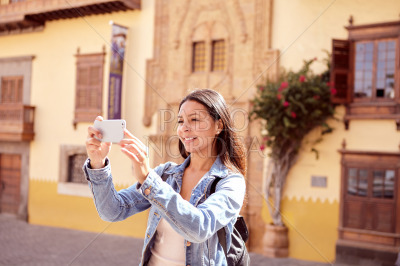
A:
[(229, 146)]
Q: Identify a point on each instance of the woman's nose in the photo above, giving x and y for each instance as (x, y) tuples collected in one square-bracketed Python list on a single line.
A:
[(185, 126)]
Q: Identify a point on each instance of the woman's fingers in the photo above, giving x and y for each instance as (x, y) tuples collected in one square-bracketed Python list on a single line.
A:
[(131, 139), (92, 144), (129, 135), (139, 144), (134, 153), (131, 155), (94, 133), (137, 152), (96, 150)]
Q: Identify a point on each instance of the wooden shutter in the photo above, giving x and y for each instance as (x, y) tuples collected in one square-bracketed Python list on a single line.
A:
[(397, 71), (4, 91), (341, 72), (81, 87), (89, 87), (11, 89)]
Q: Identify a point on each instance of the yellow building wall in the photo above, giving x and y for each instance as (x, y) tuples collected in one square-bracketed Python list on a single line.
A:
[(312, 227), (47, 207), (302, 30), (53, 94)]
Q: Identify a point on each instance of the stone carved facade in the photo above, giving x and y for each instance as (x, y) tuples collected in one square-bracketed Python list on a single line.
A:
[(245, 26)]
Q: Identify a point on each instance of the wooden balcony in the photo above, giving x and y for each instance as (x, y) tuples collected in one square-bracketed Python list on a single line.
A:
[(16, 122), (24, 15)]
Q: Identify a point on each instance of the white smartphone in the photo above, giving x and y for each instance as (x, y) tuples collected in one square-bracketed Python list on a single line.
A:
[(112, 130)]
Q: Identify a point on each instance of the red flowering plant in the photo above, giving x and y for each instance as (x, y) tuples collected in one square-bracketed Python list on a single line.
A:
[(290, 108)]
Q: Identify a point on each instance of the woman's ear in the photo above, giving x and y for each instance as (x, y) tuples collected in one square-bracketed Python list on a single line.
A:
[(220, 126)]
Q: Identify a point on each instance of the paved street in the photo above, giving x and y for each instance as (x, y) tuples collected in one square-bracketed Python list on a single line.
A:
[(25, 244)]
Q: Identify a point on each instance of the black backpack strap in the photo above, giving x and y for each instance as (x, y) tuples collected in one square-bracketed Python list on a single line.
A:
[(238, 254), (222, 239), (164, 177), (214, 184), (221, 232)]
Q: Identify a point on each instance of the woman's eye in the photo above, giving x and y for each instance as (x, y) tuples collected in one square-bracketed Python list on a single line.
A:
[(193, 119)]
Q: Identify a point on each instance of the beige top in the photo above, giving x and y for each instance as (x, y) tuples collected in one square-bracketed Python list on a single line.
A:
[(168, 249)]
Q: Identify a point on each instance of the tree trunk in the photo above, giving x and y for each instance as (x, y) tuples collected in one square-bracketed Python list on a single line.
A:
[(276, 179)]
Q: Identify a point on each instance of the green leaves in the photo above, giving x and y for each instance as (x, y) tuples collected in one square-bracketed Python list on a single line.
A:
[(287, 123), (292, 106), (298, 103)]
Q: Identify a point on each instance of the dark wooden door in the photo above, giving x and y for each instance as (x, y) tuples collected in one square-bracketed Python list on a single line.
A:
[(10, 181), (369, 202)]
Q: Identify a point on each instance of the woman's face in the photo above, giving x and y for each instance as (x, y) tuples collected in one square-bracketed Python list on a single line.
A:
[(197, 129)]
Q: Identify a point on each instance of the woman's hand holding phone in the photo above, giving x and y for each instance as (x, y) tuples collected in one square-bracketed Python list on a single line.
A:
[(97, 150), (136, 151), (131, 146)]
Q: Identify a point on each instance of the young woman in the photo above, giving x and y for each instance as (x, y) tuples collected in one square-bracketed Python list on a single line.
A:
[(183, 220)]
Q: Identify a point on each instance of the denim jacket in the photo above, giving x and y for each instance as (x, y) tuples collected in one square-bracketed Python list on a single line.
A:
[(197, 220)]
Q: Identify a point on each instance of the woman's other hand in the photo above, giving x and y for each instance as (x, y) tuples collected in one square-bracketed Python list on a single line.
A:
[(97, 150), (136, 151)]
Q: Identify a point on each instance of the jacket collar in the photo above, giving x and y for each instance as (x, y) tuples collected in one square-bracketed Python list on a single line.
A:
[(217, 169)]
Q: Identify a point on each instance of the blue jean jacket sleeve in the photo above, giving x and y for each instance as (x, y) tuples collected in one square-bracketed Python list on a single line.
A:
[(112, 205), (196, 223)]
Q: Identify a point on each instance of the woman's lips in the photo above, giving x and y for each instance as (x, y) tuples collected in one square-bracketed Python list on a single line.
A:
[(189, 139)]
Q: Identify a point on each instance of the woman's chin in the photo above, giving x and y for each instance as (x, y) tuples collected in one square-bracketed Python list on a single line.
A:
[(189, 149), (201, 153)]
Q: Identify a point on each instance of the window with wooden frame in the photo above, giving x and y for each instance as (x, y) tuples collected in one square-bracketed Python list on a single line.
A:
[(366, 72), (11, 89), (199, 57), (370, 198), (72, 180), (218, 55), (89, 87), (75, 173)]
